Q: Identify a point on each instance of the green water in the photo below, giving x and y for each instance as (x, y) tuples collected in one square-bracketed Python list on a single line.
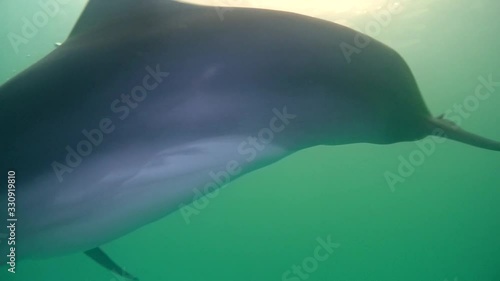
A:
[(441, 223)]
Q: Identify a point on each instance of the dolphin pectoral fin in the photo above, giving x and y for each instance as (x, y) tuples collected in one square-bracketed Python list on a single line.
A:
[(104, 260), (452, 131)]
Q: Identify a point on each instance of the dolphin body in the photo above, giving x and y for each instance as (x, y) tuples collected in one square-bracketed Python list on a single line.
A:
[(148, 101)]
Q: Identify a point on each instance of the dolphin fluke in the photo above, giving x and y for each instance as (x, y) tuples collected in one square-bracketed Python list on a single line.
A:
[(104, 260), (440, 126)]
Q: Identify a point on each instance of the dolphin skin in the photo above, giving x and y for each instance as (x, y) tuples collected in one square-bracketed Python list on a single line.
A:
[(147, 101)]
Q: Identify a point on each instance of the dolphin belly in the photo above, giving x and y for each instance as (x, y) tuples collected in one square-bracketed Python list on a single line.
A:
[(125, 198)]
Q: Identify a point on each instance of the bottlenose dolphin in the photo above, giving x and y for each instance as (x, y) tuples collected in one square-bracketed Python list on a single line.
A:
[(149, 100)]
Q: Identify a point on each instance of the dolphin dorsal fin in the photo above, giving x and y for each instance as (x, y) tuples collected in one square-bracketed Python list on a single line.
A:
[(98, 12)]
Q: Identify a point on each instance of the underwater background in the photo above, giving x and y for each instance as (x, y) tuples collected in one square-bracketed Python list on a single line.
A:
[(426, 211)]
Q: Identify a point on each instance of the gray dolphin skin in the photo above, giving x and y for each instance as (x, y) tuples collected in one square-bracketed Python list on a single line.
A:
[(147, 100)]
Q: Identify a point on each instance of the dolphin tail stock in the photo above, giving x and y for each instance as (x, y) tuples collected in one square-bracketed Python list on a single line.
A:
[(99, 256), (445, 128)]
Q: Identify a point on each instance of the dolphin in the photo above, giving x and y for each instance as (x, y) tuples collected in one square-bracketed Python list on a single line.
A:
[(148, 101)]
